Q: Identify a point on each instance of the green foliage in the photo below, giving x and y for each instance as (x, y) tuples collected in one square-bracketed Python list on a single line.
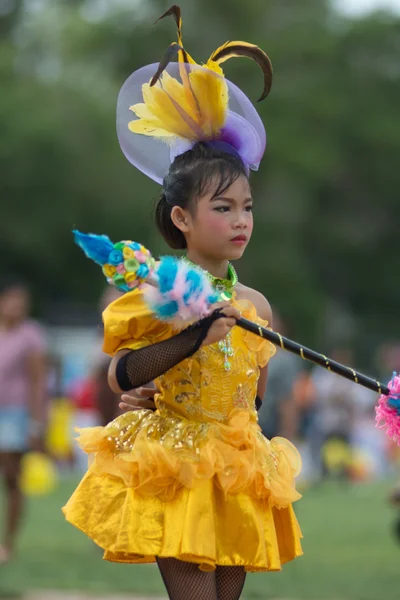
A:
[(326, 195)]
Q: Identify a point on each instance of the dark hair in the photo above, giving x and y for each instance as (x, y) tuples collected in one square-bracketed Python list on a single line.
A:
[(190, 176), (11, 282)]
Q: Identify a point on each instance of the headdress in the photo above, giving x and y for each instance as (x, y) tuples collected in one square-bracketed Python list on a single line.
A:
[(165, 109)]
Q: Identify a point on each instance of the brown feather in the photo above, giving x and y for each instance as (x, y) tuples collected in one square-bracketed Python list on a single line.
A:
[(169, 55), (175, 11), (233, 49)]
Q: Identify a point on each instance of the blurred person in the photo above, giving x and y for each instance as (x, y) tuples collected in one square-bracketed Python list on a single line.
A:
[(82, 394), (304, 397), (23, 381), (339, 404), (193, 486), (278, 415)]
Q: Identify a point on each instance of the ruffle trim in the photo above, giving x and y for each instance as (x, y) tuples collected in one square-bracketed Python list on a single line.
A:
[(157, 455)]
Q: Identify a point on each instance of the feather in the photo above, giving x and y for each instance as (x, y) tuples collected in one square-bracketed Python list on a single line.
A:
[(147, 127), (147, 123), (168, 57), (212, 94), (183, 59), (96, 247), (237, 49), (175, 11), (162, 103)]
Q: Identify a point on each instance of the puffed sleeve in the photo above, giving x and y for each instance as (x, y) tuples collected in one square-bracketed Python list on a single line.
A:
[(129, 323), (262, 347)]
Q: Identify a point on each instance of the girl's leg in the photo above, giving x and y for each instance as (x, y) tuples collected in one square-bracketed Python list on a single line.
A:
[(11, 466), (230, 582), (185, 581)]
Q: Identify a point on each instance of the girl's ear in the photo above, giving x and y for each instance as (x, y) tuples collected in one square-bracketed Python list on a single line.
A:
[(180, 218)]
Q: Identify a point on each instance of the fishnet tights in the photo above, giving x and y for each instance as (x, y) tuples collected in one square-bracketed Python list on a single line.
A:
[(230, 582), (185, 581)]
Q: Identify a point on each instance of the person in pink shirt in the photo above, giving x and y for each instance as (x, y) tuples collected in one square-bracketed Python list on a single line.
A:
[(22, 398)]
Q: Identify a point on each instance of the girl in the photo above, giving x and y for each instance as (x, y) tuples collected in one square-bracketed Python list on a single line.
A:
[(194, 485)]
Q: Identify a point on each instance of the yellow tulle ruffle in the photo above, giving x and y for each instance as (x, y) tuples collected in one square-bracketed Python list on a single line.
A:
[(156, 456)]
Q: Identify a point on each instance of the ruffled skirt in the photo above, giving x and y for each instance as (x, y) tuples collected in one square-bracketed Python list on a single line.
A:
[(208, 493)]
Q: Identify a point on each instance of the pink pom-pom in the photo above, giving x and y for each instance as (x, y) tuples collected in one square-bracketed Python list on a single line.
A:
[(121, 269), (389, 416)]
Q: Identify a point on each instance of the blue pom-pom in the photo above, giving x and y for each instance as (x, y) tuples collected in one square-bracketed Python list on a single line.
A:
[(168, 310), (194, 281), (96, 247), (166, 273)]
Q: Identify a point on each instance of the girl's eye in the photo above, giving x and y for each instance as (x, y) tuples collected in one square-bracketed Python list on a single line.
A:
[(249, 208), (222, 208)]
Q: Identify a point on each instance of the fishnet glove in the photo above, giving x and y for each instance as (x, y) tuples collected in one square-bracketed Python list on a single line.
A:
[(141, 366)]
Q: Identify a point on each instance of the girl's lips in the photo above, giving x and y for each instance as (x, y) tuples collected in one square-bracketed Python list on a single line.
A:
[(239, 239)]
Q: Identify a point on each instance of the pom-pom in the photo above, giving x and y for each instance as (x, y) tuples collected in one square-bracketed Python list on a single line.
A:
[(388, 410), (184, 293), (96, 247), (126, 265)]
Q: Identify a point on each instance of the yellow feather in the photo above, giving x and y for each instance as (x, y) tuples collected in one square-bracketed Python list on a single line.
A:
[(147, 127), (142, 111), (164, 110), (213, 66), (211, 92), (178, 91), (147, 124)]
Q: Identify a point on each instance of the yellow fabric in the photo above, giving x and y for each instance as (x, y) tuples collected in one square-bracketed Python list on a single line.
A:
[(196, 479)]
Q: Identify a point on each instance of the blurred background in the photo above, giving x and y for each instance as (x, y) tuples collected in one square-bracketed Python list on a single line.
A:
[(324, 252)]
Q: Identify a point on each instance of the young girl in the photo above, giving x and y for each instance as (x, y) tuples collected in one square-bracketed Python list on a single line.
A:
[(194, 485)]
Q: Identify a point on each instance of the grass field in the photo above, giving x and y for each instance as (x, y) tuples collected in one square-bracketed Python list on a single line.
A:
[(350, 552)]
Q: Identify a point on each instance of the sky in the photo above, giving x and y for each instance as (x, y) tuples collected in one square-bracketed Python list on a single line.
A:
[(355, 7)]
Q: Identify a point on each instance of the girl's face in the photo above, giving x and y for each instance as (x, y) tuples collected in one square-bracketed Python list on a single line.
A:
[(221, 226)]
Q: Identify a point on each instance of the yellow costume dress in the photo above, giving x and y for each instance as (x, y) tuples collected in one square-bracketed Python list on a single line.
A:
[(196, 479)]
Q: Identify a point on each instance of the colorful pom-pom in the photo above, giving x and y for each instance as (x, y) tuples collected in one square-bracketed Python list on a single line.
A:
[(126, 265), (184, 293), (388, 410)]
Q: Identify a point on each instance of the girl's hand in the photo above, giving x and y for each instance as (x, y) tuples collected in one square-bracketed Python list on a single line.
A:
[(142, 397), (222, 326)]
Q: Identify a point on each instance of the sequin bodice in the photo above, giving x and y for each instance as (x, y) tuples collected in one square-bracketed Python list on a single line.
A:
[(199, 388)]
